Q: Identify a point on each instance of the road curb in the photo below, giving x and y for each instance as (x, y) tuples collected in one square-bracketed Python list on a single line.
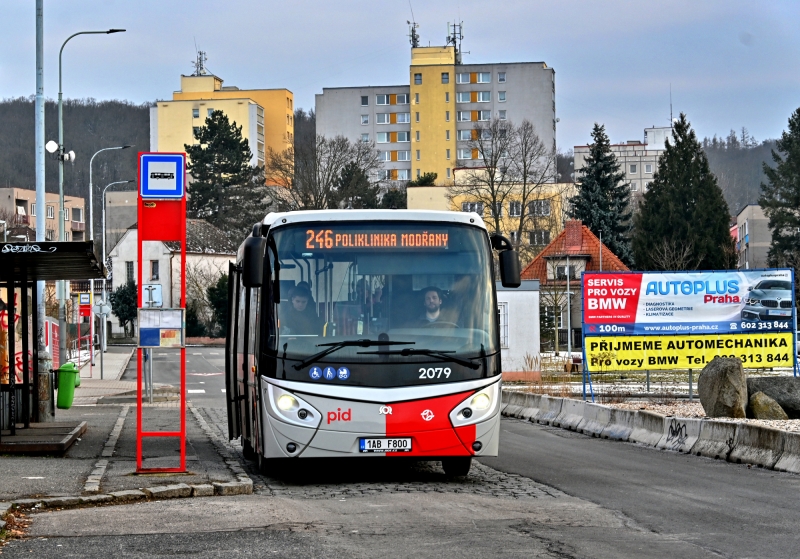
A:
[(731, 441)]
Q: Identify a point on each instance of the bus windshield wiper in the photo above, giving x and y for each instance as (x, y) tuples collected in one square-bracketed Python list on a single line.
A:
[(441, 355), (335, 346)]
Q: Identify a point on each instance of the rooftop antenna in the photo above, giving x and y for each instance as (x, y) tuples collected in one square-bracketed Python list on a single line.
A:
[(454, 37), (200, 64), (413, 36), (671, 120)]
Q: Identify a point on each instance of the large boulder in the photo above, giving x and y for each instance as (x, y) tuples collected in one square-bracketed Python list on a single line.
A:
[(784, 390), (722, 387), (761, 406)]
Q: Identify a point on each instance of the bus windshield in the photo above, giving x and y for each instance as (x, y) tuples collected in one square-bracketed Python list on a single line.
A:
[(422, 287)]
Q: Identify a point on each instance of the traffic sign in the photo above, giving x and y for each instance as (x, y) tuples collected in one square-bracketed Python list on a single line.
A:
[(162, 176), (101, 308)]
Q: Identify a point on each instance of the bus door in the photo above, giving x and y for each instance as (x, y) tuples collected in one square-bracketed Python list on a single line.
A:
[(232, 364)]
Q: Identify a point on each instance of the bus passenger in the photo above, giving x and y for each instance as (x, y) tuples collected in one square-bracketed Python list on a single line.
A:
[(300, 318)]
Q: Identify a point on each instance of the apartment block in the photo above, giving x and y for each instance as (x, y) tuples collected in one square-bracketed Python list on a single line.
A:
[(266, 115), (18, 209), (638, 159), (426, 126), (753, 237)]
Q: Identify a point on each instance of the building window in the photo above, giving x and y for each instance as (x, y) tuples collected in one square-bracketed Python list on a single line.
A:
[(539, 208), (365, 100), (66, 214), (417, 117), (465, 134), (484, 96), (501, 96), (195, 131), (385, 155), (418, 173), (402, 98), (448, 172), (381, 99), (77, 214), (501, 115), (404, 136), (404, 156), (382, 118), (484, 115), (403, 174), (563, 271), (364, 119), (484, 77), (403, 118), (416, 98), (447, 116), (446, 96), (634, 186), (476, 207), (462, 78), (209, 112), (129, 271), (633, 169), (195, 113), (417, 155), (445, 77), (502, 311), (501, 77), (365, 138), (464, 116), (497, 209), (50, 212), (417, 135), (462, 97), (646, 187), (154, 269), (385, 175), (447, 135), (384, 137), (66, 236), (648, 168), (540, 237), (447, 153), (465, 153), (417, 79), (33, 210), (514, 209)]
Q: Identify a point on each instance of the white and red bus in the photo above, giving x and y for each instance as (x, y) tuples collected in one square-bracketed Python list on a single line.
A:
[(367, 333)]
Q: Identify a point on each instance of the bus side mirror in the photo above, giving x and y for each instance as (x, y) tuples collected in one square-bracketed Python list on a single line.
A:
[(253, 261), (509, 261)]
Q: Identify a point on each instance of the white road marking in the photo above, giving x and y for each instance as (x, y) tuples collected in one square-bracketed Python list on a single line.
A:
[(223, 390), (214, 353), (196, 391), (197, 354)]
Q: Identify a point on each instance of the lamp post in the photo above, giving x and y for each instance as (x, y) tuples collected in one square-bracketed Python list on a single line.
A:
[(91, 238), (62, 316), (105, 281)]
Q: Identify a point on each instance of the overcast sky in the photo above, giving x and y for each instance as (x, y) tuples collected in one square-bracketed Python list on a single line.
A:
[(730, 63)]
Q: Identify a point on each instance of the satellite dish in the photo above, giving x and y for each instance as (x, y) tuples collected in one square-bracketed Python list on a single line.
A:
[(51, 146)]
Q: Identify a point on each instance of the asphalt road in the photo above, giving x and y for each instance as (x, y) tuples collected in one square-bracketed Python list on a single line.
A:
[(205, 373)]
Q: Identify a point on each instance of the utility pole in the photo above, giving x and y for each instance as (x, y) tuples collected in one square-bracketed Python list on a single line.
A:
[(41, 202)]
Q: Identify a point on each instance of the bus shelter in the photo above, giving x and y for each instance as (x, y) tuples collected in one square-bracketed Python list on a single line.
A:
[(21, 266)]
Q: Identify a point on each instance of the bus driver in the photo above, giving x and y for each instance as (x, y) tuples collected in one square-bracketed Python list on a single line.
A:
[(300, 318), (433, 317)]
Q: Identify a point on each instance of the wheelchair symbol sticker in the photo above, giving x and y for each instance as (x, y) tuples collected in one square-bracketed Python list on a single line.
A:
[(315, 373)]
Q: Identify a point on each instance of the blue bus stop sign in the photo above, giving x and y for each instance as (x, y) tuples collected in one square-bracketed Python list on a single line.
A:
[(162, 175)]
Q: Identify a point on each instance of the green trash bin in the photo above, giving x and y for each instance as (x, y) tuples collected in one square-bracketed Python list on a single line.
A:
[(67, 375)]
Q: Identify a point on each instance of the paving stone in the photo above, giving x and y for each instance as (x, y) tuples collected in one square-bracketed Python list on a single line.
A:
[(60, 502), (233, 488), (128, 495), (94, 499), (168, 491), (205, 490), (26, 503)]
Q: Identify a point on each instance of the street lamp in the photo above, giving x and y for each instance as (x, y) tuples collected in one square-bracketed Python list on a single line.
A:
[(91, 237), (62, 318)]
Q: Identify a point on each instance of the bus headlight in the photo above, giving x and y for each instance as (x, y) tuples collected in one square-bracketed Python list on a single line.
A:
[(286, 402), (478, 407)]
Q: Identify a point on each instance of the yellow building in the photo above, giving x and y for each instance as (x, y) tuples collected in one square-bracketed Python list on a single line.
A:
[(266, 115)]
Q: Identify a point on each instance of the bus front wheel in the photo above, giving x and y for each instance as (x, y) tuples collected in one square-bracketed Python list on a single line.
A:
[(457, 466)]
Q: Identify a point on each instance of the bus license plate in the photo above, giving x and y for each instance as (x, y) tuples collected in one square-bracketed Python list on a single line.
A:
[(385, 445)]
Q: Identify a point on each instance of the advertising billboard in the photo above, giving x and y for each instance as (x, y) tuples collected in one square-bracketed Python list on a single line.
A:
[(681, 320)]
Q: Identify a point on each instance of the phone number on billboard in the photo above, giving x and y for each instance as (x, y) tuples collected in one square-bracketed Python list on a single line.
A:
[(762, 325)]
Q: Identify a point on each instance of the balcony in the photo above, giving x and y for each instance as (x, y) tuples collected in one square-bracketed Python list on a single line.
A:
[(78, 226), (20, 219)]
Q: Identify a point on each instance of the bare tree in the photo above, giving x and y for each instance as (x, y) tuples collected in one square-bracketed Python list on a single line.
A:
[(305, 176), (199, 277), (673, 255)]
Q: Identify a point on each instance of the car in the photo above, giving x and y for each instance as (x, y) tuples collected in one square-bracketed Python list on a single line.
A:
[(768, 300)]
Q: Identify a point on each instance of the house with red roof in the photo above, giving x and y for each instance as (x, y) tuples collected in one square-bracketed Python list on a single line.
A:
[(558, 268)]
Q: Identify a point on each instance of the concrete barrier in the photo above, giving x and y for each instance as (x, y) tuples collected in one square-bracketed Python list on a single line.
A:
[(648, 428), (757, 445), (549, 409), (571, 414), (516, 402), (595, 419), (790, 458), (680, 434), (715, 440), (620, 426), (532, 405)]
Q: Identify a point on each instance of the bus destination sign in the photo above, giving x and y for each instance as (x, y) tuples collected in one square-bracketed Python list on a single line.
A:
[(337, 239)]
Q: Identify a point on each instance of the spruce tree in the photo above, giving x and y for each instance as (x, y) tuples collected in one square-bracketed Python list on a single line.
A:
[(226, 190), (781, 197), (603, 199), (354, 190), (684, 221)]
